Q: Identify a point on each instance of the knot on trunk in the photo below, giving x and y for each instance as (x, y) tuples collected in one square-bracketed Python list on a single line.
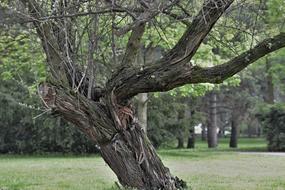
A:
[(122, 115), (125, 114), (47, 94)]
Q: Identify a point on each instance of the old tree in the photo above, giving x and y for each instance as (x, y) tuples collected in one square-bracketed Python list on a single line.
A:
[(79, 36)]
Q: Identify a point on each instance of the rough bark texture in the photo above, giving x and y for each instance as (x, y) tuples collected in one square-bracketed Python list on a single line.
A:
[(132, 157), (126, 150)]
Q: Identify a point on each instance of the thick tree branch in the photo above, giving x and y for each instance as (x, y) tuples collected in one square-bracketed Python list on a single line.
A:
[(51, 47), (127, 82), (57, 39), (219, 73), (138, 28), (197, 31), (167, 77)]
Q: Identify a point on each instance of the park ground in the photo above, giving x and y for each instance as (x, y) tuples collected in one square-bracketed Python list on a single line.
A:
[(203, 169)]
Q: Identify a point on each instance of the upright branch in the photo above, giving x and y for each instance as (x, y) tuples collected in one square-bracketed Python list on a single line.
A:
[(165, 74), (49, 41), (149, 11), (197, 31), (133, 45), (175, 69)]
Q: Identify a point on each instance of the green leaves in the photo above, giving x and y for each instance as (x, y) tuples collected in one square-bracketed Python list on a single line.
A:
[(21, 58), (6, 75)]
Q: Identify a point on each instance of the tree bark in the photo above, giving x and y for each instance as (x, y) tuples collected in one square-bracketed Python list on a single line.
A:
[(212, 122), (123, 145), (133, 159)]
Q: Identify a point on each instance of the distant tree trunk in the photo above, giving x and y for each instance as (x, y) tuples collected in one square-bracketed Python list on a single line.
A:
[(249, 133), (212, 122), (180, 139), (191, 139), (259, 131), (203, 133), (142, 110), (269, 97), (221, 133), (145, 56), (234, 134)]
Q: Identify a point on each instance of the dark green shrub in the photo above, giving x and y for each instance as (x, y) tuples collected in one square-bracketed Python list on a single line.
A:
[(274, 127)]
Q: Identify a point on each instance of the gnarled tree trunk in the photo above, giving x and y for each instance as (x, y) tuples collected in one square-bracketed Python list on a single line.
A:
[(123, 144), (105, 114)]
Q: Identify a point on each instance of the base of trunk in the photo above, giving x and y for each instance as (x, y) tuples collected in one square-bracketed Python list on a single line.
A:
[(134, 160), (191, 139), (212, 138)]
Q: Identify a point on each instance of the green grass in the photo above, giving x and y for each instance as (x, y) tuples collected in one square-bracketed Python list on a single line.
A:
[(244, 144), (203, 169)]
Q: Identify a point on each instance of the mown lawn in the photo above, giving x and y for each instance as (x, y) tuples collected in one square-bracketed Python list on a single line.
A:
[(203, 169)]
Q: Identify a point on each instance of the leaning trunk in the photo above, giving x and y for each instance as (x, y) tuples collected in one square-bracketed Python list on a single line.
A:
[(134, 160), (123, 144)]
